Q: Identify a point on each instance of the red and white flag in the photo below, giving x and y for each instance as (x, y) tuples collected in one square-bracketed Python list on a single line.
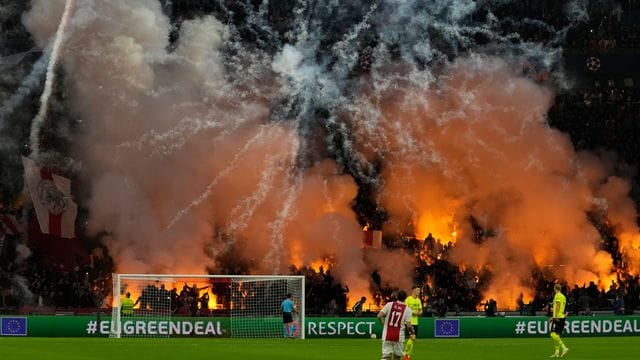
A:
[(51, 196), (372, 238)]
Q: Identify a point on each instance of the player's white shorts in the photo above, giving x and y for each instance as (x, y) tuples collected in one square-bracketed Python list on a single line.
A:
[(392, 347)]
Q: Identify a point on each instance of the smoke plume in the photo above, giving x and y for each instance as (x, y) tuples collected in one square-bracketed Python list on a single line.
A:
[(218, 135)]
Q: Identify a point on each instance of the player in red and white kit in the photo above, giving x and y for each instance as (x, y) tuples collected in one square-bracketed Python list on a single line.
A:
[(394, 317)]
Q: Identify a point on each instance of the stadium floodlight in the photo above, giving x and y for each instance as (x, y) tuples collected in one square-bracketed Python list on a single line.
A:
[(251, 302)]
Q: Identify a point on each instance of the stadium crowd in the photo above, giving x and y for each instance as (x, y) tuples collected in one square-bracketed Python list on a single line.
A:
[(447, 289)]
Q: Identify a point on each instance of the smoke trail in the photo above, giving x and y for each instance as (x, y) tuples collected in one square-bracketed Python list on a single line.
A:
[(222, 174), (36, 126)]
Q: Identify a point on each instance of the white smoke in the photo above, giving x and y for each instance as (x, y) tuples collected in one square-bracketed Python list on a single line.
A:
[(228, 144)]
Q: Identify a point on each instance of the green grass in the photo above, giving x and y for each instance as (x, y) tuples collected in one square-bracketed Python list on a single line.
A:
[(610, 348)]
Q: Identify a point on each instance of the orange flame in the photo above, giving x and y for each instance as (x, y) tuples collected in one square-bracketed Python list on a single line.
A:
[(443, 229), (203, 287), (324, 263)]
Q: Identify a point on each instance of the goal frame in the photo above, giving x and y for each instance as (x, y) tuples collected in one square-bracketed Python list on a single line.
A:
[(116, 323)]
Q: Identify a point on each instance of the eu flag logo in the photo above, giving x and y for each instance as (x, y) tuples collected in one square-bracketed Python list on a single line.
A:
[(447, 328), (13, 326)]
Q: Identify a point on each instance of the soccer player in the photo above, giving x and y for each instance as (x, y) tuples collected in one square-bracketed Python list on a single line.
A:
[(557, 322), (288, 309), (358, 306), (395, 316), (415, 304)]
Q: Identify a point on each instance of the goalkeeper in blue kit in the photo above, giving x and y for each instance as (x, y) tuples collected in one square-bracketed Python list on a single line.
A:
[(288, 309)]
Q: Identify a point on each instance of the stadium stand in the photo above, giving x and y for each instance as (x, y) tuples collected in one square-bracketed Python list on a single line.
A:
[(601, 110)]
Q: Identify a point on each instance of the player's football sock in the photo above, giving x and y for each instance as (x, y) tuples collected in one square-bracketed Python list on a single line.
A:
[(557, 341), (554, 355), (285, 330), (408, 347), (561, 343), (565, 350)]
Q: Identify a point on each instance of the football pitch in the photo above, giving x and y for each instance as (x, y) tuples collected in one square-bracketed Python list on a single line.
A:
[(614, 348)]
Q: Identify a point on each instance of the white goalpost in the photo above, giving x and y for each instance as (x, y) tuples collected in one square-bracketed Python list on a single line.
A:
[(238, 306)]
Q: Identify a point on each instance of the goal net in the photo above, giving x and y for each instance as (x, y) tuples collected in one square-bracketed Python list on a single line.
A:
[(243, 306)]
